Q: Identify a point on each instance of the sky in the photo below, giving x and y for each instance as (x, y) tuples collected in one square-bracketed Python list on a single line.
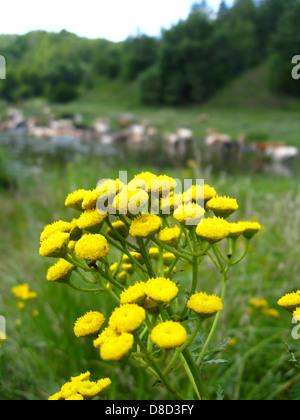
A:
[(114, 20)]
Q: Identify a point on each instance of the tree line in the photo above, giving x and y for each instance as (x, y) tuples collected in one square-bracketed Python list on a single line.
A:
[(186, 64)]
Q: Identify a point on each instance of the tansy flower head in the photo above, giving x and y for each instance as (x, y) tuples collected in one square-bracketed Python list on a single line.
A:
[(89, 325), (136, 255), (120, 227), (290, 302), (272, 313), (55, 246), (170, 236), (259, 303), (60, 272), (104, 336), (168, 258), (91, 247), (117, 347), (236, 230), (82, 377), (134, 294), (154, 253), (90, 200), (145, 226), (130, 202), (161, 290), (59, 226), (250, 229), (69, 389), (170, 203), (213, 230), (189, 214), (91, 220), (90, 389), (222, 206), (128, 268), (127, 318), (169, 335), (23, 292), (110, 187), (75, 199), (75, 232), (56, 397), (205, 305), (145, 179)]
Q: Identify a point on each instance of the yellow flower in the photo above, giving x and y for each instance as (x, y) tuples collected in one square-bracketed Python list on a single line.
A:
[(120, 227), (273, 313), (104, 336), (161, 290), (250, 229), (91, 247), (199, 194), (136, 255), (134, 294), (55, 227), (205, 305), (122, 277), (75, 232), (189, 214), (145, 179), (75, 199), (170, 236), (127, 318), (290, 302), (154, 253), (110, 187), (236, 230), (35, 313), (222, 206), (75, 397), (170, 203), (296, 315), (91, 220), (169, 335), (168, 258), (128, 268), (69, 389), (130, 202), (162, 185), (23, 292), (90, 200), (145, 226), (60, 272), (213, 230), (21, 305), (90, 389), (82, 377), (55, 246), (89, 325), (117, 347), (259, 303), (55, 397)]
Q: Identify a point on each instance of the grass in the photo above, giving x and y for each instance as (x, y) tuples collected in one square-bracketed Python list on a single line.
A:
[(257, 365)]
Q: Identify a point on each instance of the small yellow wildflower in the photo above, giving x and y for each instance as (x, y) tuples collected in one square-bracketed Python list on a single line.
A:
[(169, 335), (60, 272), (127, 318), (120, 227), (23, 292), (290, 302), (69, 389), (205, 305), (55, 246), (82, 377), (236, 230), (134, 294), (21, 305), (190, 213), (222, 206), (136, 255), (161, 290), (170, 203), (55, 227), (259, 303), (91, 247), (117, 347), (168, 258), (90, 389), (213, 230), (170, 236), (273, 313), (145, 226), (296, 314), (91, 220), (89, 325), (131, 202), (104, 336), (90, 200), (250, 229), (154, 253), (56, 397), (122, 277), (74, 200)]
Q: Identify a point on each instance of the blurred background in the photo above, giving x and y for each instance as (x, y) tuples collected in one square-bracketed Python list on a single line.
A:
[(193, 90)]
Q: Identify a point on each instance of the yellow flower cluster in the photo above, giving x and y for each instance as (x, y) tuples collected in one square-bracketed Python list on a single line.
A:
[(81, 388), (23, 292), (132, 251), (262, 306)]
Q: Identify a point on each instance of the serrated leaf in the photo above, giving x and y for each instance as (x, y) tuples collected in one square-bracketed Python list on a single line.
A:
[(220, 393)]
